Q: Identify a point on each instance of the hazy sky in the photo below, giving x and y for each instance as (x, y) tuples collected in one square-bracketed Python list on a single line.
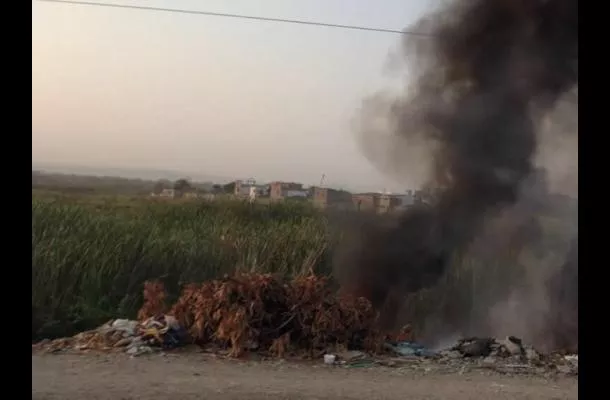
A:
[(209, 95)]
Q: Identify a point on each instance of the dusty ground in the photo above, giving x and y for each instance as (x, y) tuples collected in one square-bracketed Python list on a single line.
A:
[(193, 376)]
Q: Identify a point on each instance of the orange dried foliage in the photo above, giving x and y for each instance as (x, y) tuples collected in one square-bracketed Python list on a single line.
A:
[(283, 316), (154, 300), (279, 345)]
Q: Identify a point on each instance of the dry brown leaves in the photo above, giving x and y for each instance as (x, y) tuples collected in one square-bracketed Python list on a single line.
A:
[(260, 311), (154, 300)]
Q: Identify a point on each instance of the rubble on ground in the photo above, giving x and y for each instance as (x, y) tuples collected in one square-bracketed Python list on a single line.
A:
[(507, 356), (122, 335)]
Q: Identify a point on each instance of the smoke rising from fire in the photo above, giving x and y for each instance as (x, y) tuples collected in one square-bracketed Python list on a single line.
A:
[(480, 88)]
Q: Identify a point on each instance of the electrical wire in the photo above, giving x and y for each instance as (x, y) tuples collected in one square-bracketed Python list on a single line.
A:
[(238, 16)]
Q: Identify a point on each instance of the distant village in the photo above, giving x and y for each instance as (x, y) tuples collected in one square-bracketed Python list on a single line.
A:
[(321, 197)]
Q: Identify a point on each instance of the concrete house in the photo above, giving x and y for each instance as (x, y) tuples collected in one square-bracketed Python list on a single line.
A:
[(326, 197), (279, 191)]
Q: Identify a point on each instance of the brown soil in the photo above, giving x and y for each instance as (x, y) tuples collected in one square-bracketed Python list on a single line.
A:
[(197, 376)]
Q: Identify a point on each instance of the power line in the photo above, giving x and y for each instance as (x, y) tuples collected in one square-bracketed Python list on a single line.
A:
[(239, 16)]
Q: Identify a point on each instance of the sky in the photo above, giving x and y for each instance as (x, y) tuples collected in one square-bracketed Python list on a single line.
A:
[(210, 95)]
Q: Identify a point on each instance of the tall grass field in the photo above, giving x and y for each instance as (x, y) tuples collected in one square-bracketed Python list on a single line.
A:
[(92, 254)]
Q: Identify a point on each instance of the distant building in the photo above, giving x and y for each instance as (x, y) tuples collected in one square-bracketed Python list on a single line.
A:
[(208, 196), (242, 187), (250, 189), (279, 191), (252, 192), (191, 195), (206, 187), (365, 201), (380, 203), (385, 203), (168, 193), (326, 197), (297, 194), (426, 196), (403, 201)]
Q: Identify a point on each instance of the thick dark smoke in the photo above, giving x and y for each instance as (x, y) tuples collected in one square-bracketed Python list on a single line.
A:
[(490, 70)]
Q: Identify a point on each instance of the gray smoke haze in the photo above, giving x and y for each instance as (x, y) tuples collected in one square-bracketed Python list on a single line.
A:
[(482, 92), (542, 304), (536, 240), (558, 147), (408, 160)]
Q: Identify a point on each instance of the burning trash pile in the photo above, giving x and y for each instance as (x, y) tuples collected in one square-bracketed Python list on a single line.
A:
[(508, 356), (244, 312), (510, 353)]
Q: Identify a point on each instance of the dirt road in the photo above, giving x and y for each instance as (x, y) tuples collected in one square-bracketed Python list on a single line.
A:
[(178, 377)]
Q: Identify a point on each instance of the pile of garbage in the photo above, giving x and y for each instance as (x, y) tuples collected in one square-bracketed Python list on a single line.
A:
[(509, 356), (503, 355), (123, 335), (511, 347)]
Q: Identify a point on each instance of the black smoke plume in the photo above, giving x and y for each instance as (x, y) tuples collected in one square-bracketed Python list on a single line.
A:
[(486, 75)]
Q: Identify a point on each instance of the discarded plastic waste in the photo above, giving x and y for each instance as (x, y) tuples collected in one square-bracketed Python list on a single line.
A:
[(475, 347), (163, 331), (513, 345), (361, 364), (125, 335), (139, 350), (350, 356), (572, 358), (329, 359), (409, 349)]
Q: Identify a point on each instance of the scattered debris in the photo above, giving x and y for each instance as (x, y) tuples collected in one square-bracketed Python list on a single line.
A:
[(573, 358), (163, 331), (136, 350), (126, 326), (330, 359), (123, 335), (364, 363), (452, 354), (351, 356), (489, 360), (409, 349), (564, 369), (474, 347), (532, 355), (507, 355), (513, 345)]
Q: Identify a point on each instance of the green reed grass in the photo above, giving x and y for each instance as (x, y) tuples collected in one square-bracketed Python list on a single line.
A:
[(90, 257), (92, 254)]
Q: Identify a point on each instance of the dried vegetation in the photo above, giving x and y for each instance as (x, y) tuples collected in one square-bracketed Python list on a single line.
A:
[(265, 313)]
